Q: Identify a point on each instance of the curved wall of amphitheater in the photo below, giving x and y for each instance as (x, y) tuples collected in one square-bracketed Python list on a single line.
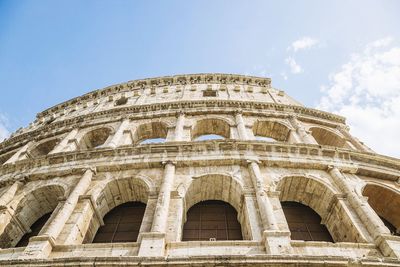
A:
[(140, 172)]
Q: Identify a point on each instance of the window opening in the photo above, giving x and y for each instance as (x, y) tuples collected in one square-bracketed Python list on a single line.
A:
[(121, 224), (304, 223), (35, 228), (212, 220)]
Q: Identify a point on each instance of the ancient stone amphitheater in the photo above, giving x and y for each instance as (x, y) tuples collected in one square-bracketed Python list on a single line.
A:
[(195, 170)]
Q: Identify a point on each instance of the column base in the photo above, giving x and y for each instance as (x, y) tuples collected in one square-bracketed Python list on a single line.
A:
[(152, 244), (389, 245), (38, 247), (277, 242)]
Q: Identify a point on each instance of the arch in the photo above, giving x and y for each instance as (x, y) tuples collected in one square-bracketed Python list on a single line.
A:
[(271, 129), (211, 219), (217, 127), (386, 203), (113, 193), (327, 137), (321, 198), (152, 132), (95, 138), (6, 156), (304, 223), (121, 224), (31, 206), (222, 188), (44, 148), (35, 229)]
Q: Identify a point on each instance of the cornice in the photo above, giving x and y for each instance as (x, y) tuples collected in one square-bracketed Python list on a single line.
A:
[(216, 152), (201, 78)]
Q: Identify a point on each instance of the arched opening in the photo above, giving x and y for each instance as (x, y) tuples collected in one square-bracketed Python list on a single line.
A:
[(211, 220), (327, 138), (31, 212), (270, 131), (321, 199), (209, 129), (304, 223), (35, 229), (386, 203), (94, 138), (6, 156), (44, 148), (121, 224), (117, 198), (150, 133), (206, 137), (218, 190)]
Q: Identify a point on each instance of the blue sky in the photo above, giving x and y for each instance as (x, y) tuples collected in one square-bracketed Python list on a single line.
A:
[(320, 52)]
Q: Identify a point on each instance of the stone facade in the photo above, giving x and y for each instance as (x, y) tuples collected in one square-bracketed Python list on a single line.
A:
[(82, 158)]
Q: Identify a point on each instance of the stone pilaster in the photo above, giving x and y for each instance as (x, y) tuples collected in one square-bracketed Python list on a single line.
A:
[(5, 213), (153, 243), (21, 153), (41, 246), (373, 223), (256, 227), (305, 136), (179, 126), (241, 127), (276, 241), (353, 141), (9, 194), (63, 145), (115, 140)]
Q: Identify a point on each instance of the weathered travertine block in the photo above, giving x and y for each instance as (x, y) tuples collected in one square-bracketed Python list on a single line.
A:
[(148, 154)]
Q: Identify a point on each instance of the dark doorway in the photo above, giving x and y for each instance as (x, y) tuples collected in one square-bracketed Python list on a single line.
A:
[(35, 227), (212, 220), (121, 224), (304, 223)]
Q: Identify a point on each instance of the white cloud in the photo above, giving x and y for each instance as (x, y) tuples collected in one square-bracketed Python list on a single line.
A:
[(4, 133), (294, 66), (366, 90), (303, 43)]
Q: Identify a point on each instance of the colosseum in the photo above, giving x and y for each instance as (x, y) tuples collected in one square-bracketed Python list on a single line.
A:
[(195, 170)]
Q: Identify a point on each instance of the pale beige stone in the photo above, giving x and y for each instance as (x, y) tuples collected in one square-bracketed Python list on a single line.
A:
[(82, 158)]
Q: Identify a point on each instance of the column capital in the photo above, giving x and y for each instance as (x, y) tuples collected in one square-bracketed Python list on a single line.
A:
[(166, 162), (343, 169), (180, 113), (252, 160), (238, 112), (93, 169)]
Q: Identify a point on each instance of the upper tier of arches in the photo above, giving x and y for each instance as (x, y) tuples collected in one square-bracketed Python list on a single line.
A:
[(189, 128)]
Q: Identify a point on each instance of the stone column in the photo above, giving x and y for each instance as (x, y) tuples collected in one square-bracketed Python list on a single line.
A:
[(241, 127), (115, 140), (256, 228), (373, 223), (60, 147), (265, 207), (305, 136), (41, 246), (153, 243), (175, 218), (276, 241), (20, 154), (5, 213), (179, 127), (164, 196), (10, 193), (353, 141)]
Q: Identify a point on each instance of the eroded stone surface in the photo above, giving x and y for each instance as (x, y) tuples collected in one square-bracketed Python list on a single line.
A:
[(84, 157)]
